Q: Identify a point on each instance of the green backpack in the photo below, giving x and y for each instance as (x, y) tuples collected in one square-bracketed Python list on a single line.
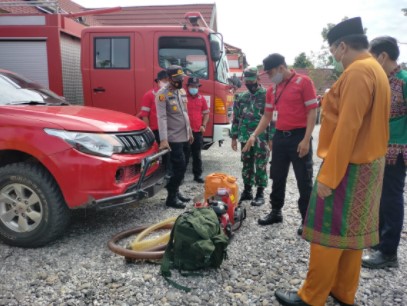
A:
[(196, 242)]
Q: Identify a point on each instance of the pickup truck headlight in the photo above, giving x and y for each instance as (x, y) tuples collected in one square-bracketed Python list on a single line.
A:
[(90, 143)]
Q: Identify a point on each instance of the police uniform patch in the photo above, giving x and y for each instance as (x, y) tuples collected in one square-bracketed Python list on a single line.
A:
[(174, 108), (170, 94), (161, 97)]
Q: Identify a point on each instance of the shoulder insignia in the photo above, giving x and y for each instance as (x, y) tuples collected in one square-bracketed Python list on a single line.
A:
[(182, 91), (161, 97)]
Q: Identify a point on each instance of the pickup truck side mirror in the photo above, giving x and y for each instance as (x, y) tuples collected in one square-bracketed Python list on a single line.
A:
[(215, 51)]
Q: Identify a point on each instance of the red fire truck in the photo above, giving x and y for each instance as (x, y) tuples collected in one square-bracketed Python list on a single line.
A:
[(119, 65), (112, 67)]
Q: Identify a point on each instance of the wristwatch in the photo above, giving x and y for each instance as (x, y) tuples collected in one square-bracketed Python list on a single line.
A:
[(254, 135)]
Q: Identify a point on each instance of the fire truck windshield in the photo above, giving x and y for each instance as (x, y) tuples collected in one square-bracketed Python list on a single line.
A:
[(222, 67), (187, 52)]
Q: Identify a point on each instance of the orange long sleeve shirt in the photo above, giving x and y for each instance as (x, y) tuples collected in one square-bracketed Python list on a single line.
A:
[(355, 120)]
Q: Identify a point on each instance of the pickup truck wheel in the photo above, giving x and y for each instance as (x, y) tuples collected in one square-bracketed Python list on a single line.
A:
[(32, 209)]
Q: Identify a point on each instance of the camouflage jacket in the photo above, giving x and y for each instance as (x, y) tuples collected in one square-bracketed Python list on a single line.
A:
[(247, 112)]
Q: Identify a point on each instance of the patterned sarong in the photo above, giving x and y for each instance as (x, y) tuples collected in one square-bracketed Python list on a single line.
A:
[(349, 218)]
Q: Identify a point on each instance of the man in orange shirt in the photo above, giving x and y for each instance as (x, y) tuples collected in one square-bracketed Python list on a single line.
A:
[(343, 213)]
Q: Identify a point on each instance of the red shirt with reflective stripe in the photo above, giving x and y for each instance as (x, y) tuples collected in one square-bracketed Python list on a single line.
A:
[(148, 109), (197, 107), (295, 97)]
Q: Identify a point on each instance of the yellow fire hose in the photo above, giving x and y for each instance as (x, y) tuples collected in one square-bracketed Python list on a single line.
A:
[(148, 249), (139, 244)]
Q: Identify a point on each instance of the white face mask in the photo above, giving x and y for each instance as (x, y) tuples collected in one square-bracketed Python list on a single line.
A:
[(162, 84), (338, 65), (277, 78)]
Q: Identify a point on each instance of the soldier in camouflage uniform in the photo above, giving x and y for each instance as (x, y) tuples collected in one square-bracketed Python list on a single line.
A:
[(248, 110)]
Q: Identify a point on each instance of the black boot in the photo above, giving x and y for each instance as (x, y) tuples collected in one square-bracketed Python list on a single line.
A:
[(274, 217), (259, 199), (173, 201), (379, 260), (182, 197), (289, 298), (246, 194), (199, 179)]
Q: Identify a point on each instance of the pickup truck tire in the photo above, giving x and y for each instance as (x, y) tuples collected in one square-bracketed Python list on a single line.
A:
[(32, 209)]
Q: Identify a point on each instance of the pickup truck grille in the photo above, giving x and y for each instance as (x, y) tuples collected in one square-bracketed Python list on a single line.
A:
[(136, 142)]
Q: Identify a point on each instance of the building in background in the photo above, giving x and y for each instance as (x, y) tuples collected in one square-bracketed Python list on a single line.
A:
[(69, 34)]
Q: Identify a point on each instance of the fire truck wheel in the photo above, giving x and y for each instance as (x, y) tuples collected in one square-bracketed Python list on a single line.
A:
[(32, 209)]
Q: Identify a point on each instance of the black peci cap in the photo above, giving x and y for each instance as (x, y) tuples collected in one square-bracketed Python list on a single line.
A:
[(349, 27)]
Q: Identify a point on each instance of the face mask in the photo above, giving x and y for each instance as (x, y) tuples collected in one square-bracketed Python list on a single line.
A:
[(338, 66), (177, 84), (381, 62), (162, 84), (193, 91), (252, 87), (277, 78)]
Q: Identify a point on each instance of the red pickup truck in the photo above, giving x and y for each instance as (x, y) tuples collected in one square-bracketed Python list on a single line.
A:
[(55, 157)]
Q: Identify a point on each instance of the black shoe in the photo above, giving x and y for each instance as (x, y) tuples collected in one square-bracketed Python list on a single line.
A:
[(339, 301), (246, 194), (173, 201), (289, 298), (300, 230), (274, 217), (259, 199), (378, 260), (199, 179), (182, 197)]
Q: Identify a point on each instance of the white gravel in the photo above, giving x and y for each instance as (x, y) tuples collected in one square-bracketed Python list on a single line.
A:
[(79, 269)]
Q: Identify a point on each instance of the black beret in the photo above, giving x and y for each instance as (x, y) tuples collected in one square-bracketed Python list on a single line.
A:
[(349, 27)]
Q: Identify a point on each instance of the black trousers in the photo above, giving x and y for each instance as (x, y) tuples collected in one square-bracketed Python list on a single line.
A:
[(195, 149), (284, 153), (166, 158), (392, 207), (178, 165)]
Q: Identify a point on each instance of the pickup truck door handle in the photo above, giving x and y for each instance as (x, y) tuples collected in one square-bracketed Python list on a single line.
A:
[(99, 89)]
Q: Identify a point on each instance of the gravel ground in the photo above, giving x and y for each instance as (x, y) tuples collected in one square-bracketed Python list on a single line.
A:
[(79, 269)]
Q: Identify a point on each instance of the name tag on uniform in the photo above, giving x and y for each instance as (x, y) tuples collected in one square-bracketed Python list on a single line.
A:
[(275, 116)]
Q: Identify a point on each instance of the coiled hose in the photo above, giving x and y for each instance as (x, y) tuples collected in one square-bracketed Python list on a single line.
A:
[(148, 249)]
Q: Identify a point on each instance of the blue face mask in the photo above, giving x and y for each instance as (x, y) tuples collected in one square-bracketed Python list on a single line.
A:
[(193, 91)]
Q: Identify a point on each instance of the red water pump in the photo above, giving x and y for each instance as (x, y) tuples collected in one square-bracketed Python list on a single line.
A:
[(230, 215)]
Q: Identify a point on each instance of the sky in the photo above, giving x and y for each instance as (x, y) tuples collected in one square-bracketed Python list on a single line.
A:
[(289, 27)]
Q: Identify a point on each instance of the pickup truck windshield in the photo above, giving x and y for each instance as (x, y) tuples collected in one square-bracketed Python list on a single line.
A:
[(187, 52), (15, 89)]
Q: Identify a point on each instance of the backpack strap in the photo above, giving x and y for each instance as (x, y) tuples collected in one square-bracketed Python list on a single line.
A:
[(166, 262), (167, 258)]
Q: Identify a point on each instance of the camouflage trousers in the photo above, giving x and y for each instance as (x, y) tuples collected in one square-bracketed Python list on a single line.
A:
[(254, 171)]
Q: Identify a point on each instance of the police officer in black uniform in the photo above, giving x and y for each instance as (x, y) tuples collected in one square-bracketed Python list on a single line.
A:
[(175, 131)]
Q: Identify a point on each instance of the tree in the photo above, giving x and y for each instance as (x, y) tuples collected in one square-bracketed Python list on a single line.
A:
[(324, 58), (404, 11), (302, 61)]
